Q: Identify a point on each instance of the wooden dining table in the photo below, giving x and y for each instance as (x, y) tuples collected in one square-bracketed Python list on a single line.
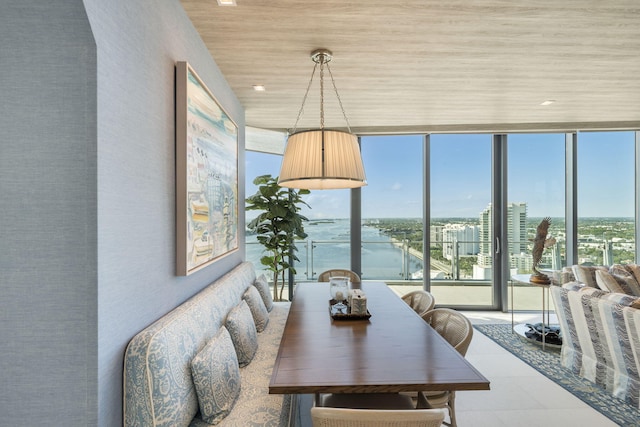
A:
[(394, 350)]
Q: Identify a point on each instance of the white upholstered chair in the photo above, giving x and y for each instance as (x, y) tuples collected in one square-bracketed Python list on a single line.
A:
[(342, 417), (458, 331), (420, 301)]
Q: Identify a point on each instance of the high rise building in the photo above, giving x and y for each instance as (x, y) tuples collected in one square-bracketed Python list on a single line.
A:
[(516, 233), (485, 231), (460, 238), (517, 227), (435, 234)]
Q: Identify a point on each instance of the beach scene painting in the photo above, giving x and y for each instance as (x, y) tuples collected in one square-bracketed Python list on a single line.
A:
[(207, 175)]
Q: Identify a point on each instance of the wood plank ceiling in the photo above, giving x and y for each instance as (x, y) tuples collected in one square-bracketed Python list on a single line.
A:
[(431, 66)]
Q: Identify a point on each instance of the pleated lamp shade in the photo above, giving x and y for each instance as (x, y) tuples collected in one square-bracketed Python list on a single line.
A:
[(321, 160)]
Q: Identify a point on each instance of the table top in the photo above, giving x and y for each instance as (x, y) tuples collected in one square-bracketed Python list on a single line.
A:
[(395, 350), (526, 278)]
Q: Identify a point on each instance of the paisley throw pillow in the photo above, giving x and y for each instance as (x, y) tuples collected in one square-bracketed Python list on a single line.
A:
[(243, 333), (216, 376)]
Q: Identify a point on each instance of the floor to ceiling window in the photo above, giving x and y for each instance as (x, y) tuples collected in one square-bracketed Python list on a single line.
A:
[(606, 197), (536, 189), (459, 202), (461, 229), (392, 206)]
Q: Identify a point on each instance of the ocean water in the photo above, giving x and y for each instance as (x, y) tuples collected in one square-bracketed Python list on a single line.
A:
[(328, 246)]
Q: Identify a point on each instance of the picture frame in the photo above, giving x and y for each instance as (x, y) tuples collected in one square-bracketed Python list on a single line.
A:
[(206, 175)]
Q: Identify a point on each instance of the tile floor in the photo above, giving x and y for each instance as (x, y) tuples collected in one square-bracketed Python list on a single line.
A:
[(519, 395)]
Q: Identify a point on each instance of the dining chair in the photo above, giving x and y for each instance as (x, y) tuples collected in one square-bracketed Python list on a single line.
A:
[(454, 327), (382, 401), (420, 301), (326, 275), (342, 417)]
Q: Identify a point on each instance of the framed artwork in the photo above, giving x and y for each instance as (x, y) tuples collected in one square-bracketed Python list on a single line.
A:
[(206, 175)]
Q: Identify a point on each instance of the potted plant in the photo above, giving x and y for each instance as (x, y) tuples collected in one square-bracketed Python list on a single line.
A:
[(278, 226)]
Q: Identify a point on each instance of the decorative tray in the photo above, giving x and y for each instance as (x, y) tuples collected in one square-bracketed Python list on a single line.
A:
[(341, 315)]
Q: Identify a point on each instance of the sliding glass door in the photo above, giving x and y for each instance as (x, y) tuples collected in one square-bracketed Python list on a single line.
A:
[(460, 230), (536, 189)]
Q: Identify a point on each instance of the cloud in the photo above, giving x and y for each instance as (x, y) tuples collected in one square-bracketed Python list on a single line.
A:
[(396, 186), (327, 204)]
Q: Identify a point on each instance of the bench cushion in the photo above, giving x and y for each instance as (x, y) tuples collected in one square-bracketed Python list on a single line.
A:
[(255, 407), (216, 376)]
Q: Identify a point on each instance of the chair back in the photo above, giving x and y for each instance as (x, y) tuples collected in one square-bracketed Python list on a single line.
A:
[(326, 275), (420, 301), (342, 417), (453, 326)]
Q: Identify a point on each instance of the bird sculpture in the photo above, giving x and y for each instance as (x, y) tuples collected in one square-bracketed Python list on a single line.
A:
[(540, 243)]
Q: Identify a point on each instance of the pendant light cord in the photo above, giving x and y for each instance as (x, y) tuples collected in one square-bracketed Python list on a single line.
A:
[(322, 60), (304, 100), (335, 89)]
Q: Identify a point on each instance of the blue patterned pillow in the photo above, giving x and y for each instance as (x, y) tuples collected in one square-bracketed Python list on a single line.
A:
[(243, 333), (258, 310), (262, 285), (216, 376)]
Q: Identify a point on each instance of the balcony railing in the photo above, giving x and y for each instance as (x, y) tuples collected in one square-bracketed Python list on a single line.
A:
[(457, 277), (398, 261)]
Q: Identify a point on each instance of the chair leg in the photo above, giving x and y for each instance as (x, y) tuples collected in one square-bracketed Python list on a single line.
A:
[(452, 409), (422, 402)]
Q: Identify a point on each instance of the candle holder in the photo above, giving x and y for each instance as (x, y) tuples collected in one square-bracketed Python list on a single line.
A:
[(339, 290)]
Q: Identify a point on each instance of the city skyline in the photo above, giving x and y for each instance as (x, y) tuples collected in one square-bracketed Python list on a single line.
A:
[(460, 172)]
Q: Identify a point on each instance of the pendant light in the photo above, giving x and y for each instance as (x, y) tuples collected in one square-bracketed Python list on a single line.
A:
[(322, 159)]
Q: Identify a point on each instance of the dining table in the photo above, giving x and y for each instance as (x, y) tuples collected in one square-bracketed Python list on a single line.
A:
[(394, 350)]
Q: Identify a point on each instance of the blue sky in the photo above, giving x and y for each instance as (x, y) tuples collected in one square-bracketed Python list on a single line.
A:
[(460, 173)]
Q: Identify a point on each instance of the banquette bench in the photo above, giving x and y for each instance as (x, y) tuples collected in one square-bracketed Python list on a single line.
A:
[(209, 361)]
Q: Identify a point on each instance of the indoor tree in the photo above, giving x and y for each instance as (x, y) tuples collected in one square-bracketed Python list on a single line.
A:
[(278, 226)]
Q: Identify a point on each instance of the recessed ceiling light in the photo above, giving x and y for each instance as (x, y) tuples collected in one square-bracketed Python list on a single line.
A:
[(226, 2), (259, 88), (548, 102)]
